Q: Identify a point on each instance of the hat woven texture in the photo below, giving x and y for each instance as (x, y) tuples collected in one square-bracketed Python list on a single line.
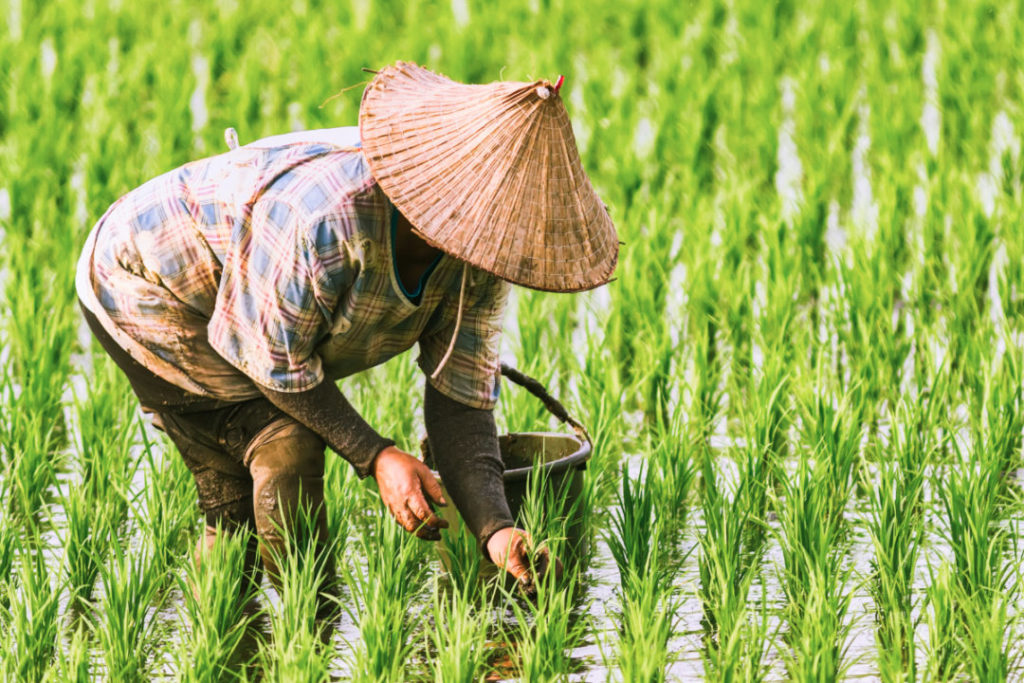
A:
[(490, 175)]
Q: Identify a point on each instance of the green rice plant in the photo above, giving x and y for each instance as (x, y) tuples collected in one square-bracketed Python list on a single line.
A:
[(832, 426), (547, 629), (763, 428), (39, 346), (463, 560), (649, 617), (874, 339), (896, 528), (944, 660), (347, 496), (815, 580), (550, 624), (969, 498), (215, 595), (675, 469), (394, 576), (302, 617), (85, 542), (995, 402), (126, 621), (169, 503), (896, 491), (555, 515), (606, 433), (457, 637), (706, 385), (72, 661), (631, 537), (735, 641), (27, 441), (9, 543), (105, 437), (31, 619), (990, 631)]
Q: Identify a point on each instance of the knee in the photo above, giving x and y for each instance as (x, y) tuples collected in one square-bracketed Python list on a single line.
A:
[(285, 465)]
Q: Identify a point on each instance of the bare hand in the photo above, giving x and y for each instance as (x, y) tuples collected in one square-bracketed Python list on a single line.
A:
[(402, 481), (510, 548)]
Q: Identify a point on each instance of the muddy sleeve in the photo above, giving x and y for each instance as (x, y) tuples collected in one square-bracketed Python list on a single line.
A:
[(326, 411), (464, 445)]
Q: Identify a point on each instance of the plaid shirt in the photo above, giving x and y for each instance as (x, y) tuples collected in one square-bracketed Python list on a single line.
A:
[(273, 263)]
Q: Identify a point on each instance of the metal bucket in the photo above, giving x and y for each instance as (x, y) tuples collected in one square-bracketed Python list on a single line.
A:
[(563, 458)]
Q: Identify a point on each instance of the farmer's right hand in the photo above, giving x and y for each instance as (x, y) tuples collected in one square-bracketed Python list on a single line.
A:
[(511, 549), (403, 480)]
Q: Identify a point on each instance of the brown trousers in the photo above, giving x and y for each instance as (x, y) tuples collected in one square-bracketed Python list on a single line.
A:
[(255, 467)]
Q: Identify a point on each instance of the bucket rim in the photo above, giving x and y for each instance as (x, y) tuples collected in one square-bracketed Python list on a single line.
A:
[(576, 459)]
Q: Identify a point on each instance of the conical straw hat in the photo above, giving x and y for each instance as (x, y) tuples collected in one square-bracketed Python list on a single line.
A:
[(489, 174)]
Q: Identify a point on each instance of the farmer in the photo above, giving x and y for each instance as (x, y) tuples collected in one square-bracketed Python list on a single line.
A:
[(234, 290)]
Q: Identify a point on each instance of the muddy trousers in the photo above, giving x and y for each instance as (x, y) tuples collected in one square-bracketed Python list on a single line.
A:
[(255, 467), (258, 469)]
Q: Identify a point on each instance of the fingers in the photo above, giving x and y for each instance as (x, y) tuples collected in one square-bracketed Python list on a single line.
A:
[(402, 481), (432, 486), (416, 517), (530, 566), (418, 506), (517, 563)]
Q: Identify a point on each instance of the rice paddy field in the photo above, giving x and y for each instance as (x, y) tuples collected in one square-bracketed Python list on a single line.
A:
[(804, 386)]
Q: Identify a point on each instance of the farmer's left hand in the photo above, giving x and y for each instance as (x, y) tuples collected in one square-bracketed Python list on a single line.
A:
[(511, 549), (402, 481)]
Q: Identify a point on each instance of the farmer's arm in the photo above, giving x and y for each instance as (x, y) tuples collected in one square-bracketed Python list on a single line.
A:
[(405, 483), (326, 411), (464, 445), (461, 365)]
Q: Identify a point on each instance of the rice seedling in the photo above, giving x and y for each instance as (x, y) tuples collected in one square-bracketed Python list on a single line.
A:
[(343, 506), (649, 606), (31, 624), (555, 514), (105, 437), (126, 622), (72, 663), (457, 641), (85, 542), (393, 577), (547, 629), (632, 537), (215, 594), (303, 615), (462, 558), (943, 661), (735, 636), (169, 504), (896, 489), (673, 462), (649, 617), (815, 580)]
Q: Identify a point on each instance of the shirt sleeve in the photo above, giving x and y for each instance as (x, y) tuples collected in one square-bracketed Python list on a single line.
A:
[(277, 294), (470, 376)]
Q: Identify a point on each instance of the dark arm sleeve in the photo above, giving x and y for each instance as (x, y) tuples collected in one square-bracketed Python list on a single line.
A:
[(464, 444), (326, 411)]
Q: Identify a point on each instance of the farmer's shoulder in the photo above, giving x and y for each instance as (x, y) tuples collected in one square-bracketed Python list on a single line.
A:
[(340, 200), (317, 187)]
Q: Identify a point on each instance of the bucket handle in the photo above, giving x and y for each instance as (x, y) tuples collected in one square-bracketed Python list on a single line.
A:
[(553, 405)]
